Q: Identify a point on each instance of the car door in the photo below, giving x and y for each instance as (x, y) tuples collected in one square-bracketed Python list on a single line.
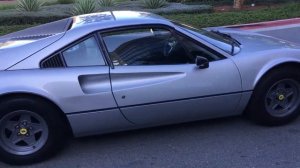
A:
[(155, 79), (83, 88)]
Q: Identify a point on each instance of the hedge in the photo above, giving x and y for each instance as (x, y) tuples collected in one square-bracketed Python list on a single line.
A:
[(169, 8), (238, 17), (47, 14), (56, 12)]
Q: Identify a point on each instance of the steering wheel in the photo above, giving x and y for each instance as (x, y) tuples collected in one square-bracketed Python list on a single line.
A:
[(169, 47)]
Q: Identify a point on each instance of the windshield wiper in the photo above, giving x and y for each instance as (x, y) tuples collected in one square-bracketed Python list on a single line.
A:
[(232, 40)]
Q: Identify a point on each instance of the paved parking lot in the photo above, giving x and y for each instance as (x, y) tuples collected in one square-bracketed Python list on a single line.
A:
[(223, 143)]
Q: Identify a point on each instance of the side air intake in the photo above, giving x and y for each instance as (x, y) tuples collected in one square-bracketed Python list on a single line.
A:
[(53, 62)]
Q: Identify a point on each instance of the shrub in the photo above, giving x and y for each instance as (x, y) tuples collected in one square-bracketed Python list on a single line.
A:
[(84, 7), (106, 3), (66, 1), (29, 5), (14, 17), (153, 4)]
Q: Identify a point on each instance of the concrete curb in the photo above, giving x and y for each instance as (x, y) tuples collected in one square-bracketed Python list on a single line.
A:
[(267, 24)]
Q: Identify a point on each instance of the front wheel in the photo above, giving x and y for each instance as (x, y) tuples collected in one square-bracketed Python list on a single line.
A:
[(30, 130), (276, 99)]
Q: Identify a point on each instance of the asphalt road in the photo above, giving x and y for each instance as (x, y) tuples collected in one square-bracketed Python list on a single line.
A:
[(223, 143)]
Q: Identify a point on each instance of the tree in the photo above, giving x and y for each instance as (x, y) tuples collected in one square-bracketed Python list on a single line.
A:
[(237, 4)]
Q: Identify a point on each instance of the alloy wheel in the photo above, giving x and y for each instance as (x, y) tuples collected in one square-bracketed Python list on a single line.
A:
[(23, 132), (283, 98)]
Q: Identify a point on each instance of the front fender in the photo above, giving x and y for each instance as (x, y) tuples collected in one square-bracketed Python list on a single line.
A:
[(271, 65)]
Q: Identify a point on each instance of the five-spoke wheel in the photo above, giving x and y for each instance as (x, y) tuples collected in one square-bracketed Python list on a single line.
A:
[(31, 129), (276, 98), (23, 132), (283, 97)]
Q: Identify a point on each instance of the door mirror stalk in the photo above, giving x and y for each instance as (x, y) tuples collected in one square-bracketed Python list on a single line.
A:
[(202, 62)]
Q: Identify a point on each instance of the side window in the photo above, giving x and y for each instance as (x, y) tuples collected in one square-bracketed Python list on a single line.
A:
[(85, 53), (193, 50), (152, 46)]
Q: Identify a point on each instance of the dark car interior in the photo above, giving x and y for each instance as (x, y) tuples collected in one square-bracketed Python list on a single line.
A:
[(155, 47)]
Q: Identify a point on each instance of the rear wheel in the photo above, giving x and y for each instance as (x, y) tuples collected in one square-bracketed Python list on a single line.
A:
[(276, 99), (31, 130)]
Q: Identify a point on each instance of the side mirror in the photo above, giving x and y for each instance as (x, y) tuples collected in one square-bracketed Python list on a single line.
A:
[(202, 62)]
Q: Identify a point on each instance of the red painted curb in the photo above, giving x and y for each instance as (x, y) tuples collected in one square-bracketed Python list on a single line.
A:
[(267, 24)]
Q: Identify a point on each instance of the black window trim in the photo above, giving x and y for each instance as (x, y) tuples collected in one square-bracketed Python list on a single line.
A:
[(63, 49), (51, 56), (201, 45), (162, 26), (103, 49)]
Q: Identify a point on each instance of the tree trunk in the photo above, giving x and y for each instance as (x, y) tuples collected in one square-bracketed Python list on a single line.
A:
[(238, 4)]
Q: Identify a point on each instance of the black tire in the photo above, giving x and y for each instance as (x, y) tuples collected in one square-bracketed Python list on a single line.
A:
[(56, 130), (259, 107)]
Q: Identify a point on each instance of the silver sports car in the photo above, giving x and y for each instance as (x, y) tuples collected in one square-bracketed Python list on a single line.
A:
[(122, 70)]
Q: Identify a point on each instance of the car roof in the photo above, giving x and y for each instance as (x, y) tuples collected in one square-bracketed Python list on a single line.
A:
[(115, 18), (101, 20)]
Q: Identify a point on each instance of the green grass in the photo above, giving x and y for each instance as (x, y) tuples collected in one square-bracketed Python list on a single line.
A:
[(7, 6), (238, 17), (230, 2)]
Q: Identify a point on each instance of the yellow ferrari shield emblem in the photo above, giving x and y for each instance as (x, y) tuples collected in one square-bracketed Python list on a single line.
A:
[(23, 131), (281, 97)]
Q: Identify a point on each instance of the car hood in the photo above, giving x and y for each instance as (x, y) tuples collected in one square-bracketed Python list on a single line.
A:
[(255, 42)]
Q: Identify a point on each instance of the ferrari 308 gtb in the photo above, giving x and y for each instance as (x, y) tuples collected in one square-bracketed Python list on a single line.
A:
[(121, 70)]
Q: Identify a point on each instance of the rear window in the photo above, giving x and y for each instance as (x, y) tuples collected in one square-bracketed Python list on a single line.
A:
[(41, 31)]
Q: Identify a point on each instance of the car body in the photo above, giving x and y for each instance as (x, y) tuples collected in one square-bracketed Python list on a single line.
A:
[(116, 91)]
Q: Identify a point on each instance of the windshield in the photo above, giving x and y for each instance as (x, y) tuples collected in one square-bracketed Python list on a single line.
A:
[(213, 38)]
